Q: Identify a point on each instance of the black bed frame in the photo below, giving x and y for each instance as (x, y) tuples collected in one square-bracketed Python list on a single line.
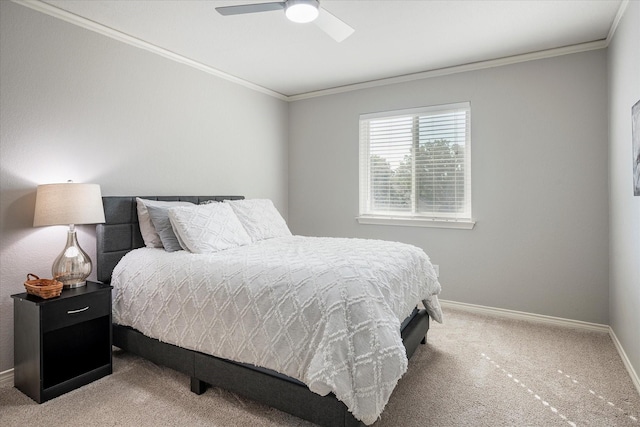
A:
[(121, 234)]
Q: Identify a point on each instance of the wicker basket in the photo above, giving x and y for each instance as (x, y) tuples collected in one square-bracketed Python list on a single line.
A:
[(43, 288)]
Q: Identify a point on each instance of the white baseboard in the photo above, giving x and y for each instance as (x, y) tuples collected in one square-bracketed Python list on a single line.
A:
[(559, 321), (521, 315), (627, 363), (6, 377)]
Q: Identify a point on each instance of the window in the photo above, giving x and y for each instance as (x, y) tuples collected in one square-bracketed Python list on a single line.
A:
[(415, 167)]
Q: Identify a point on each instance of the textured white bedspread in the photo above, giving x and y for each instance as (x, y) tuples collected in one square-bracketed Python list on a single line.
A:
[(325, 311)]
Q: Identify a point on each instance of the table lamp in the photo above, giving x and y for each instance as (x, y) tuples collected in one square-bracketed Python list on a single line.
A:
[(69, 204)]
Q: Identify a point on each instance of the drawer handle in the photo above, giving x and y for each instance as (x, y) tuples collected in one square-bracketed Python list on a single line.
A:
[(78, 311)]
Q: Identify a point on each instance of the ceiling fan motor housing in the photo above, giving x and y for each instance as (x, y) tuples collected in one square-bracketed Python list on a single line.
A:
[(301, 11)]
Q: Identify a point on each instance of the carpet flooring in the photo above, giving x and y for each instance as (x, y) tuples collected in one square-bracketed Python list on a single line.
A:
[(476, 370)]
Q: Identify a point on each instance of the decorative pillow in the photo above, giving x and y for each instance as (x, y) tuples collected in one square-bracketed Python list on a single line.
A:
[(260, 218), (160, 219), (149, 234), (208, 228)]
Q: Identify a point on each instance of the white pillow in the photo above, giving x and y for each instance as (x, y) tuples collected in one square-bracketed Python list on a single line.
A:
[(208, 228), (260, 218), (148, 231)]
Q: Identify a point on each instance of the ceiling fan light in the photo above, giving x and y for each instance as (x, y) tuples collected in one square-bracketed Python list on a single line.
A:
[(301, 11)]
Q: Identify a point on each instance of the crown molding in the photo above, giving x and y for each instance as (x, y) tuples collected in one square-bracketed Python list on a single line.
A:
[(133, 41), (549, 53), (56, 12), (616, 20)]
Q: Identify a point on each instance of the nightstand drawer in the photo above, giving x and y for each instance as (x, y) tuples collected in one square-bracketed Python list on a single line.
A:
[(75, 310)]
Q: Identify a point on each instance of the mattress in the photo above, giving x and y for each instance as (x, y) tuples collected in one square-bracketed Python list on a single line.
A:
[(325, 311)]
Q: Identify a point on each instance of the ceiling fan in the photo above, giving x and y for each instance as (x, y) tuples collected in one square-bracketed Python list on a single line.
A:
[(300, 11)]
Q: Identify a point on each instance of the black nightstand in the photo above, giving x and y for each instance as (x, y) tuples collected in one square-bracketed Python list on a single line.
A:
[(61, 343)]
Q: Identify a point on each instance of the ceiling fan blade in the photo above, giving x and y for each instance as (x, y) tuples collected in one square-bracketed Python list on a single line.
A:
[(332, 25), (249, 8)]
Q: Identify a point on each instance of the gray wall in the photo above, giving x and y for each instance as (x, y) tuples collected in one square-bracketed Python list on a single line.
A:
[(539, 176), (78, 105), (624, 223)]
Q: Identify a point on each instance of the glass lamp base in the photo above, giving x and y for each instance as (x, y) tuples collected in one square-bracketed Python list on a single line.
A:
[(73, 285), (73, 265)]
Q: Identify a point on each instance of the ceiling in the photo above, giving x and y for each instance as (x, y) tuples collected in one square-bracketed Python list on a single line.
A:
[(392, 38)]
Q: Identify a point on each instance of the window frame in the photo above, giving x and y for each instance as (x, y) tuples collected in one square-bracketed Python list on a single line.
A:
[(413, 217)]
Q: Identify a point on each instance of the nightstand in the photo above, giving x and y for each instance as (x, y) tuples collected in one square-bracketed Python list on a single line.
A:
[(61, 343)]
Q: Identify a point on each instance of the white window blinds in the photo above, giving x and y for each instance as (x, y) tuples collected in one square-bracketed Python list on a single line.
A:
[(416, 163)]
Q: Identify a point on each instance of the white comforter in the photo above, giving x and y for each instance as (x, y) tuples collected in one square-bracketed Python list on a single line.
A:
[(325, 311)]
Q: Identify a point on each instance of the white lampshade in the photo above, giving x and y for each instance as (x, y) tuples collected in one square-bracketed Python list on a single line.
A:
[(68, 203), (301, 11)]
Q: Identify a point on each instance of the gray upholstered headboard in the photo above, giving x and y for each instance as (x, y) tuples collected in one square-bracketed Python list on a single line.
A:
[(121, 233)]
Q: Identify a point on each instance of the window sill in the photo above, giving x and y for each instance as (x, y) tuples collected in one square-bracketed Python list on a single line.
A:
[(416, 222)]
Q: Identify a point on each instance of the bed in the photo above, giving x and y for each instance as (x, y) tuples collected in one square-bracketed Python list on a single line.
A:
[(120, 235)]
